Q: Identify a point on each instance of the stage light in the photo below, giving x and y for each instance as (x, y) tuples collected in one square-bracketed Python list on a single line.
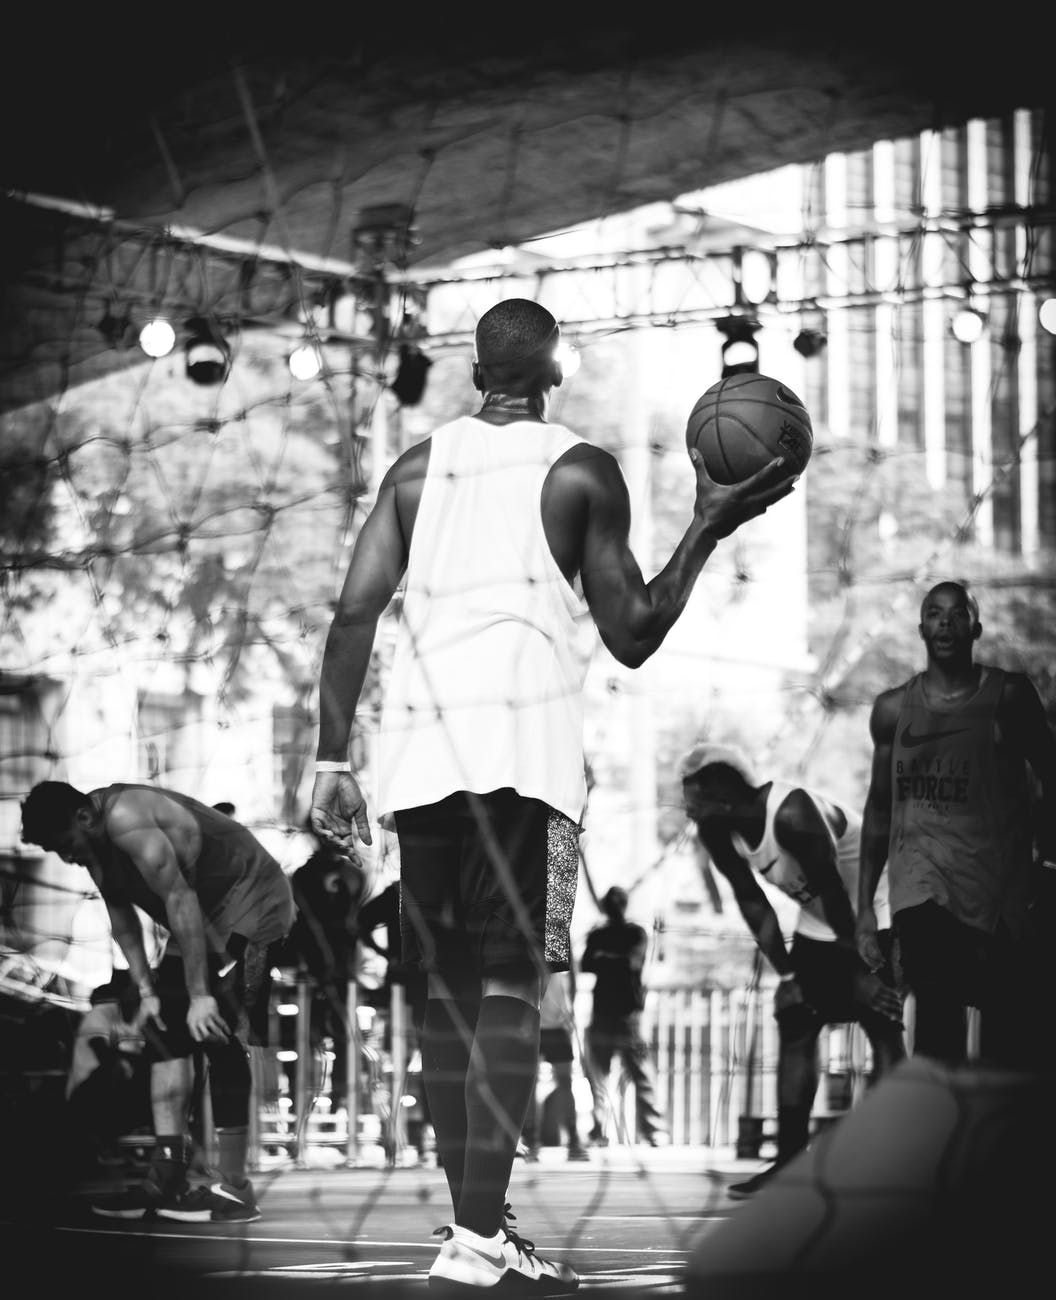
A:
[(740, 352), (305, 361), (157, 338), (207, 352), (968, 325), (409, 384), (1047, 315), (115, 327), (809, 343), (756, 275)]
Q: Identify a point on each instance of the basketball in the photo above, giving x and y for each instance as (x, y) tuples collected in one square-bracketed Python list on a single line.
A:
[(741, 423)]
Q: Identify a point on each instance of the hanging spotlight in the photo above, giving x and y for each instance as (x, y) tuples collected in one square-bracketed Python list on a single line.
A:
[(409, 384), (968, 325), (305, 361), (207, 351), (115, 327), (157, 338), (1047, 315), (740, 352), (809, 343)]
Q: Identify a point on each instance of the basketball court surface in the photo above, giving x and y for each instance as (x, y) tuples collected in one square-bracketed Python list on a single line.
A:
[(627, 1221)]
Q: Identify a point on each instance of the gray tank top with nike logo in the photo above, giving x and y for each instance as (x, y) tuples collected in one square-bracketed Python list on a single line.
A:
[(960, 816)]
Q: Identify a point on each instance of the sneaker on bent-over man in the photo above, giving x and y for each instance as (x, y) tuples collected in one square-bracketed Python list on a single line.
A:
[(216, 1202)]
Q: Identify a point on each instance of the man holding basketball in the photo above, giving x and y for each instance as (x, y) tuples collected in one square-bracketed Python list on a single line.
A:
[(510, 535), (806, 846), (952, 812)]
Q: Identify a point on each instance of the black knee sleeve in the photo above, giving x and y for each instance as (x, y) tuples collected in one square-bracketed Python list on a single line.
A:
[(230, 1083)]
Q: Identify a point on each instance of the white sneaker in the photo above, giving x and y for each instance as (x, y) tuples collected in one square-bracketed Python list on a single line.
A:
[(467, 1260), (531, 1273)]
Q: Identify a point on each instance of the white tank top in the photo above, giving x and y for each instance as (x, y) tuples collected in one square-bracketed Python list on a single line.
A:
[(492, 645), (779, 868)]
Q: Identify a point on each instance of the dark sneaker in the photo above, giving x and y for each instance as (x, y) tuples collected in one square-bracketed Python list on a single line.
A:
[(218, 1202), (468, 1261), (578, 1153), (141, 1201), (741, 1191)]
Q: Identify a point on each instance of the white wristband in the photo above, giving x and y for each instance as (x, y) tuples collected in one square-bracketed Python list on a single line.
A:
[(325, 765), (788, 975)]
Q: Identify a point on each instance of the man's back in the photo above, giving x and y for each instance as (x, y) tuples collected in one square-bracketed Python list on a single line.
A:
[(239, 885), (775, 862), (614, 954), (493, 644)]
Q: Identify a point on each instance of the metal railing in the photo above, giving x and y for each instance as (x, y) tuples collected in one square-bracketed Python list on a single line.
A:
[(714, 1053)]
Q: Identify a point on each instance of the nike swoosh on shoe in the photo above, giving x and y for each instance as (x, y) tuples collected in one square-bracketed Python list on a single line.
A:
[(496, 1261)]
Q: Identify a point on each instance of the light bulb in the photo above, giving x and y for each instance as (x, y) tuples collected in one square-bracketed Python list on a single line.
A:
[(305, 362), (157, 338), (967, 325), (568, 358)]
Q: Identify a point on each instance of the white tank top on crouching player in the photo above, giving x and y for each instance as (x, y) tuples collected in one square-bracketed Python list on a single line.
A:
[(779, 868), (493, 645)]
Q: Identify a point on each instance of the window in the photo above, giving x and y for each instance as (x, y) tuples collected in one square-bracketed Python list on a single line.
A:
[(166, 734), (24, 749)]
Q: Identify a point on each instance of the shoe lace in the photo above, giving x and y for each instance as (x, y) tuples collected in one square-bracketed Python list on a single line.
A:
[(522, 1244)]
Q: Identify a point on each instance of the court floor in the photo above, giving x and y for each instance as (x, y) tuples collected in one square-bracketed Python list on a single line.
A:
[(627, 1221)]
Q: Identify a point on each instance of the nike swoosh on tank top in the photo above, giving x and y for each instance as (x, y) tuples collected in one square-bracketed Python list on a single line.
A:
[(959, 817)]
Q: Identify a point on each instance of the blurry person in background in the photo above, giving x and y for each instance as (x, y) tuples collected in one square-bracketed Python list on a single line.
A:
[(614, 953), (556, 1115)]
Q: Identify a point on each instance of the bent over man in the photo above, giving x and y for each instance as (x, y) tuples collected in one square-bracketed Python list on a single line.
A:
[(226, 905), (806, 846)]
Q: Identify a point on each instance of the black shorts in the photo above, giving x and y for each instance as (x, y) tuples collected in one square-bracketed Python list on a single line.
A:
[(487, 884), (937, 950), (242, 992), (825, 973), (555, 1046)]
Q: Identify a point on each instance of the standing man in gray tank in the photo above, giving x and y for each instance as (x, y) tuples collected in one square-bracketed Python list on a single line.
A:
[(952, 812)]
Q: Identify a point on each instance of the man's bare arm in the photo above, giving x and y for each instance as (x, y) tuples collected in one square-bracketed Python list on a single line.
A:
[(634, 616), (1023, 720), (377, 564), (876, 822), (339, 806), (127, 930), (801, 829), (154, 856), (754, 905)]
